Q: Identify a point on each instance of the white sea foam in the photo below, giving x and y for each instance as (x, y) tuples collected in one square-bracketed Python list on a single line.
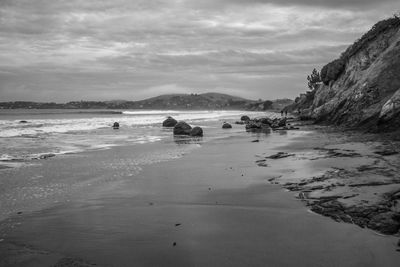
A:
[(59, 134), (38, 127)]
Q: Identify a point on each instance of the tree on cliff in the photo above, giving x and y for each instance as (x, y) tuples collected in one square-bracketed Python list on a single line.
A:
[(314, 80)]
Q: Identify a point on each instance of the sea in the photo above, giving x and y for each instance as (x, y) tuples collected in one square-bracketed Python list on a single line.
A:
[(27, 135)]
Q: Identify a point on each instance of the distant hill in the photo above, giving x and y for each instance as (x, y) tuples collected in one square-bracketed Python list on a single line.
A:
[(170, 101)]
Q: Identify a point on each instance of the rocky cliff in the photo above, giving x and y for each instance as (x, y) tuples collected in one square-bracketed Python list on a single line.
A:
[(362, 87)]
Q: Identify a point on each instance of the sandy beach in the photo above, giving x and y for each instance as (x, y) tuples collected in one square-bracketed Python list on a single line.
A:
[(216, 203)]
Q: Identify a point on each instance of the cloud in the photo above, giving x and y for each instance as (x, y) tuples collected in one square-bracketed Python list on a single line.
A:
[(59, 50)]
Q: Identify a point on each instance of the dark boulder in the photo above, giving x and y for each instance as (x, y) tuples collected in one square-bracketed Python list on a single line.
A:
[(265, 120), (23, 122), (196, 131), (116, 125), (169, 122), (226, 126), (251, 125), (182, 128), (245, 118)]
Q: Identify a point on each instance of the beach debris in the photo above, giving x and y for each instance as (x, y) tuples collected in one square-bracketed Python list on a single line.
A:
[(255, 141), (177, 224), (226, 126), (182, 128), (23, 122), (196, 131), (169, 122), (280, 155), (116, 125)]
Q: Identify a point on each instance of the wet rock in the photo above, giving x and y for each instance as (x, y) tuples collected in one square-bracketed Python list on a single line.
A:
[(23, 122), (387, 152), (196, 131), (169, 122), (245, 118), (240, 122), (280, 155), (182, 128), (46, 156), (255, 141), (226, 126), (384, 223), (116, 125), (264, 120)]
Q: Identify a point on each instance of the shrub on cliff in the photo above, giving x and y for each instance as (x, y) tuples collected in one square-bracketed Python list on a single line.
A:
[(332, 70)]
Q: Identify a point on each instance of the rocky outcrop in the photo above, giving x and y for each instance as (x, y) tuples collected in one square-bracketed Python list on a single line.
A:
[(362, 87), (182, 128), (169, 122)]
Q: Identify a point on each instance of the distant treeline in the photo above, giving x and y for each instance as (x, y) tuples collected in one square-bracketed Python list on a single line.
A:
[(189, 101)]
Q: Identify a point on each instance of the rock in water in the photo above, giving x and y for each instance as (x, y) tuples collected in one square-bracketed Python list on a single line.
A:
[(169, 122), (196, 131), (182, 128), (116, 125), (226, 126), (245, 118)]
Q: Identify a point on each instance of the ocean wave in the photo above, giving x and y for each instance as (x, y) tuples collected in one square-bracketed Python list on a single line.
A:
[(150, 112), (42, 127)]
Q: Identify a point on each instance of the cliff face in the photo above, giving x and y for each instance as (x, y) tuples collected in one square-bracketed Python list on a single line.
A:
[(362, 87)]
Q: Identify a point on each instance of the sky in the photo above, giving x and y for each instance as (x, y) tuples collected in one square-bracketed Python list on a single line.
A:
[(57, 50)]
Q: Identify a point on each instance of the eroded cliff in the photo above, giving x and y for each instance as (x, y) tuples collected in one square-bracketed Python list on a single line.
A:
[(362, 87)]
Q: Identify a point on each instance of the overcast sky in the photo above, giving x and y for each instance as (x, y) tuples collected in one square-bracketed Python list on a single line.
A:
[(58, 50)]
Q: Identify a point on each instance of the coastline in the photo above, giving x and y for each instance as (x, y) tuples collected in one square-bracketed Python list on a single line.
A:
[(214, 203)]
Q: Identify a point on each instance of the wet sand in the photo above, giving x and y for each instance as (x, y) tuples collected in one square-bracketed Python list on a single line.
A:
[(212, 206)]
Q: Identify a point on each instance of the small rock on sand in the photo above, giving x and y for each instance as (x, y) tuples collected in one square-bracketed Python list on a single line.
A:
[(226, 126)]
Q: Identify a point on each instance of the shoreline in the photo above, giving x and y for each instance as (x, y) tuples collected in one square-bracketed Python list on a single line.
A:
[(227, 214)]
